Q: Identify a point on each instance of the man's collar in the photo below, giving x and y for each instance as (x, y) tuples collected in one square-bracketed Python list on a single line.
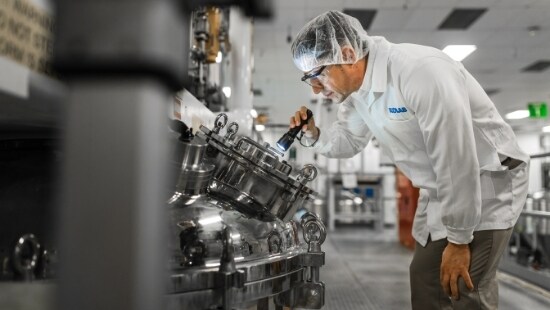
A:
[(376, 75)]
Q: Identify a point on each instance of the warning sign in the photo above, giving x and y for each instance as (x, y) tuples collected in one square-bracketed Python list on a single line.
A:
[(26, 34)]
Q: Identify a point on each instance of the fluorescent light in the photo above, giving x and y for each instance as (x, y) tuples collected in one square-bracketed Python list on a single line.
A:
[(227, 91), (254, 113), (519, 114), (260, 127), (546, 129), (459, 52), (219, 57)]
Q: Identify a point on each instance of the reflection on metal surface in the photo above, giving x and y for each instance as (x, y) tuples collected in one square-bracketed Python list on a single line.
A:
[(233, 245), (210, 220)]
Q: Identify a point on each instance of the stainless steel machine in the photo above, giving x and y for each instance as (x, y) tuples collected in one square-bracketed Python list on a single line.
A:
[(233, 243)]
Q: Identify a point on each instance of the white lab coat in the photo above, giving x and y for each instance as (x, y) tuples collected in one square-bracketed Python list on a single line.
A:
[(442, 130)]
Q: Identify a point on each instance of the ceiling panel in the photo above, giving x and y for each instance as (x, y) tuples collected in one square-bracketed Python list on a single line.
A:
[(416, 37), (517, 3), (427, 19), (503, 38), (288, 4), (541, 4), (313, 11), (361, 3), (496, 18), (438, 4), (441, 39), (400, 4), (530, 17), (321, 3), (475, 3), (462, 18), (390, 19)]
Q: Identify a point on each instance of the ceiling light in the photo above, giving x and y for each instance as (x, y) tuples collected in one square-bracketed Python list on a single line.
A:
[(459, 52), (519, 114), (546, 129), (260, 127), (227, 91)]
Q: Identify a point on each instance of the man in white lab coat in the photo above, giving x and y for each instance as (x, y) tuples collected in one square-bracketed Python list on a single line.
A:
[(442, 130)]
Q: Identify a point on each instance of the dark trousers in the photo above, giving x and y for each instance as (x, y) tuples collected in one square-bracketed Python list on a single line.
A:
[(486, 250)]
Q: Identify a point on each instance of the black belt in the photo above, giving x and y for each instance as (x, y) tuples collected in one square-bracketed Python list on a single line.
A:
[(510, 162)]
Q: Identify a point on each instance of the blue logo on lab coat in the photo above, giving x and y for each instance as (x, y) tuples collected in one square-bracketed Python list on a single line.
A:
[(397, 110)]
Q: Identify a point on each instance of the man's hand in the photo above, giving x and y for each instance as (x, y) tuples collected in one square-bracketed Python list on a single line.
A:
[(310, 130), (455, 263)]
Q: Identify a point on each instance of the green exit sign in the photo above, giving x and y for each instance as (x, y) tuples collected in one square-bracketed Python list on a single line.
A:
[(537, 109)]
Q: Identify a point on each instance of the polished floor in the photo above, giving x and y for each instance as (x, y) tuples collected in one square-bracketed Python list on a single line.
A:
[(369, 270)]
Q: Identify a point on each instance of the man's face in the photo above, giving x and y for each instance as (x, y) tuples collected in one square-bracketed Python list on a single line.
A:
[(332, 81)]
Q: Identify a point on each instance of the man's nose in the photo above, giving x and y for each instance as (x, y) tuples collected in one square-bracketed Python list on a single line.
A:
[(317, 89)]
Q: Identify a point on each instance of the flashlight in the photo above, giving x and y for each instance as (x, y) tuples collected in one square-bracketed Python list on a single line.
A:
[(288, 138)]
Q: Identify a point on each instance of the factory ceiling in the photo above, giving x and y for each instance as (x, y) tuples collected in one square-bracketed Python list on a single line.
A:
[(512, 36)]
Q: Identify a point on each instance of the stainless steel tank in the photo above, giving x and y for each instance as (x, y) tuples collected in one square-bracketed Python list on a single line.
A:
[(233, 244)]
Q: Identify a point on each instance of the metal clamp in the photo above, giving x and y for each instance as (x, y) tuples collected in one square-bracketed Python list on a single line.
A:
[(314, 231), (218, 124), (274, 242), (231, 131), (308, 173), (310, 294)]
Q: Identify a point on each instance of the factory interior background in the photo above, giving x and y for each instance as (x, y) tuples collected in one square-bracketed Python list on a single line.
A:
[(139, 167)]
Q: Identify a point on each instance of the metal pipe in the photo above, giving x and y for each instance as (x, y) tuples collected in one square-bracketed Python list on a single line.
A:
[(540, 214), (540, 155)]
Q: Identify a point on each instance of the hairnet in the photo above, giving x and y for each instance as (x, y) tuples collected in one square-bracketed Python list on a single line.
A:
[(321, 40)]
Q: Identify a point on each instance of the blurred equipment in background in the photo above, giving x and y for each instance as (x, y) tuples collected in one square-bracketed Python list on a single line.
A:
[(356, 199), (210, 28), (233, 243), (528, 254)]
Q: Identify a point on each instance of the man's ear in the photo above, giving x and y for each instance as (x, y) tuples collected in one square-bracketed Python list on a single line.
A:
[(348, 55)]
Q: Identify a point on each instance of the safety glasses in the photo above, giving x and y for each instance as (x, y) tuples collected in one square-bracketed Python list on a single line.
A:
[(311, 77)]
